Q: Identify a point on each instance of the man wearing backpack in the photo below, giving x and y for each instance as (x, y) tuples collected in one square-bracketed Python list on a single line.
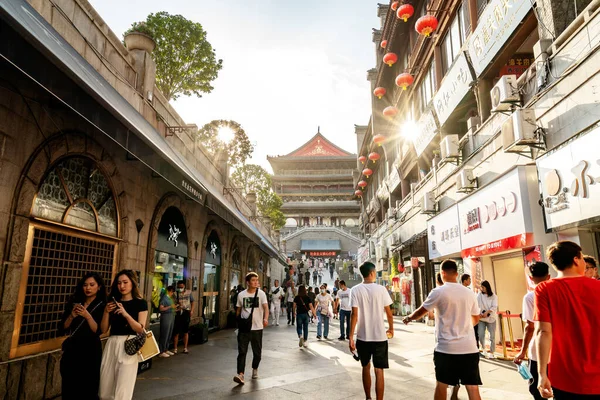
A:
[(253, 316)]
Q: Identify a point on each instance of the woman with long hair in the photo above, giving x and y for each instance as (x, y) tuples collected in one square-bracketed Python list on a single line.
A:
[(302, 304), (82, 350), (125, 315), (488, 304)]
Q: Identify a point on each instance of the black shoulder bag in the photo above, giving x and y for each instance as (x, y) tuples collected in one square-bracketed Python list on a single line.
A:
[(245, 324)]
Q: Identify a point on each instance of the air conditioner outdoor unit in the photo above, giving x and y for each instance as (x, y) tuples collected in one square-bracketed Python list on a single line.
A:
[(381, 253), (465, 181), (449, 147), (428, 206), (505, 93), (519, 131)]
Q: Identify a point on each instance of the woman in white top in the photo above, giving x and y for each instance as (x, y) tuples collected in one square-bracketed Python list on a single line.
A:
[(488, 304)]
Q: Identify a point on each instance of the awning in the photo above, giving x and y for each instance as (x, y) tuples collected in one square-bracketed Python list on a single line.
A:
[(146, 142), (320, 245)]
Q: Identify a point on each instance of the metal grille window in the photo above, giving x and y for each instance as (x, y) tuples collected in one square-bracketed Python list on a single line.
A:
[(57, 262)]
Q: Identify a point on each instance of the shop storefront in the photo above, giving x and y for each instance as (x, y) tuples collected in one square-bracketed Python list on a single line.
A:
[(569, 177), (500, 227), (170, 256), (211, 281), (443, 238)]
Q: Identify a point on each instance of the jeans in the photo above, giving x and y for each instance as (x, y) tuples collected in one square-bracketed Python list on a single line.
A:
[(290, 312), (345, 316), (302, 325), (533, 383), (491, 328), (255, 339), (325, 320), (167, 322)]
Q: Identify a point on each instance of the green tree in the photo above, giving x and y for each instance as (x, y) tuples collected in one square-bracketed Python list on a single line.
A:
[(394, 261), (186, 63), (239, 148), (251, 178)]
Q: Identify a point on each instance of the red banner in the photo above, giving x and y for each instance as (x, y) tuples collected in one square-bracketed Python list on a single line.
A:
[(322, 253), (509, 243)]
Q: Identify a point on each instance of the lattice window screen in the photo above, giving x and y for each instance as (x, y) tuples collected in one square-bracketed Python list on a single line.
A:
[(57, 263)]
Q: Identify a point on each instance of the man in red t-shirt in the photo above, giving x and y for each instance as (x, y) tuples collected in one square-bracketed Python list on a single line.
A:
[(567, 327)]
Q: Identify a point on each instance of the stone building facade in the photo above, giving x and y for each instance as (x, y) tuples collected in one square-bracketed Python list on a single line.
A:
[(99, 173)]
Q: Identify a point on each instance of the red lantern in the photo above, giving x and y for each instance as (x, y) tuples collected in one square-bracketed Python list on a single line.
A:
[(374, 157), (390, 59), (395, 5), (362, 184), (405, 11), (367, 172), (383, 44), (379, 92), (404, 80), (378, 139), (358, 193), (362, 159), (426, 25), (390, 111)]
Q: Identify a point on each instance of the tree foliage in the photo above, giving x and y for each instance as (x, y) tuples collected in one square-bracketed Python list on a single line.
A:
[(238, 150), (186, 63), (251, 178)]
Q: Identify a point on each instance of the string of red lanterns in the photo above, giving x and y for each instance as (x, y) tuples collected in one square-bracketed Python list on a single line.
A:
[(390, 111), (374, 156), (367, 172), (378, 139), (358, 193), (362, 159), (362, 184), (404, 80), (383, 44), (395, 5)]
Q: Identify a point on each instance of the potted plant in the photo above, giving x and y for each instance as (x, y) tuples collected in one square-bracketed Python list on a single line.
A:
[(140, 37)]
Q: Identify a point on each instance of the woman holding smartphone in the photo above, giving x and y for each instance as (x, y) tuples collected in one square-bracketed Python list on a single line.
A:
[(125, 315), (82, 350)]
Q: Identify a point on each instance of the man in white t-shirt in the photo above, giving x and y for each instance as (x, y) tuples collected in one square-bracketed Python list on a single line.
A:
[(343, 298), (276, 295), (456, 356), (249, 302), (324, 301), (539, 272), (290, 294), (369, 302)]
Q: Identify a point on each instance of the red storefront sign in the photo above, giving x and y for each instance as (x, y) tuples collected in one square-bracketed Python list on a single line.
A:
[(322, 253), (497, 246)]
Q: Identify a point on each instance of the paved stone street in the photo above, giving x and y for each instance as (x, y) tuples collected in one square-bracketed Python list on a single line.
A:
[(326, 370)]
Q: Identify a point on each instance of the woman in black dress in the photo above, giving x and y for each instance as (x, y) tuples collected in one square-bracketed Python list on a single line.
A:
[(82, 350)]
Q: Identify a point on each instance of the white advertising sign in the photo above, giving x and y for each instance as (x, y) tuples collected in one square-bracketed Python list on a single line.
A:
[(443, 233), (570, 181), (498, 211), (454, 87), (427, 131), (497, 23), (394, 179)]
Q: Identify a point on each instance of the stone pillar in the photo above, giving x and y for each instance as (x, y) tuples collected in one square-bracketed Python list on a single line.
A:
[(555, 15), (251, 199), (377, 41), (146, 72), (223, 165)]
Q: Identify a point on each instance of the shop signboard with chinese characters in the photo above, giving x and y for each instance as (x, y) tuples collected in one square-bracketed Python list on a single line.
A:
[(517, 65), (322, 253), (443, 233), (427, 130), (498, 217), (453, 89), (570, 182), (496, 24)]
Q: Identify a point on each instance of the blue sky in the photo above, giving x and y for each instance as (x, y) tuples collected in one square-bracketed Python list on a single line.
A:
[(288, 66)]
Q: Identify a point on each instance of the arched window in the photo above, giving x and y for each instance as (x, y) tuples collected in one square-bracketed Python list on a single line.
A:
[(74, 193)]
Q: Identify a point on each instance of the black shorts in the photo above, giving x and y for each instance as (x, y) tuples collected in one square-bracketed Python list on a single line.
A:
[(377, 350), (453, 369), (182, 323)]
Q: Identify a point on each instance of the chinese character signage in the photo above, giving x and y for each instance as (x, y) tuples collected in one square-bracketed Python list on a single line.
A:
[(570, 181), (322, 253), (491, 218), (427, 130), (453, 89), (496, 24), (443, 233), (517, 65)]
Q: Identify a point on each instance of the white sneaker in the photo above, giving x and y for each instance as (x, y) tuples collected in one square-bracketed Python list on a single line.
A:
[(491, 356), (255, 374), (277, 324), (170, 353), (164, 355)]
